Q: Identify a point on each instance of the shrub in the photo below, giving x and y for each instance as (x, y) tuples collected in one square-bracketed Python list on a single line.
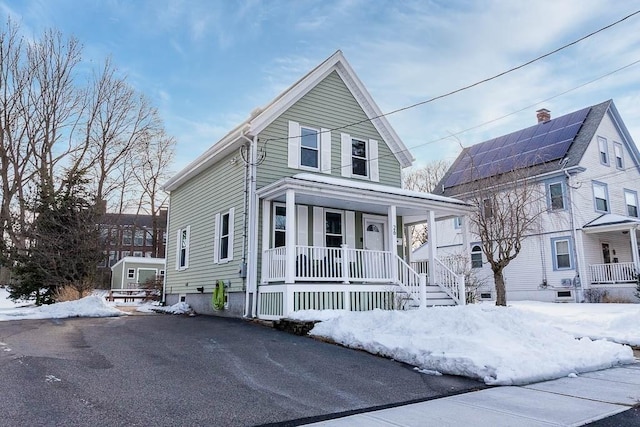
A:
[(595, 295)]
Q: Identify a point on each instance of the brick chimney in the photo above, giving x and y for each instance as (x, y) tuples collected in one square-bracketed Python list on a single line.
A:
[(543, 115)]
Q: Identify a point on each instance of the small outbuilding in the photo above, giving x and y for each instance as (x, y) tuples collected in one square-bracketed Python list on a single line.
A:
[(133, 272)]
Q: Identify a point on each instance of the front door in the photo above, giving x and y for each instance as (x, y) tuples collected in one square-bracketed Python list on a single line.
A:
[(374, 262), (374, 234)]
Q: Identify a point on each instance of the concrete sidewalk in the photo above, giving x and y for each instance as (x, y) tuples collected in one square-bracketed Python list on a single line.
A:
[(562, 402)]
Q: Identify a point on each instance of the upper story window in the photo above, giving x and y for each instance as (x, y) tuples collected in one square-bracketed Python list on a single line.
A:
[(182, 250), (358, 157), (601, 197), (617, 150), (127, 236), (457, 222), (333, 229), (487, 208), (555, 196), (138, 239), (279, 226), (148, 239), (476, 256), (604, 152), (631, 199), (309, 148), (223, 240)]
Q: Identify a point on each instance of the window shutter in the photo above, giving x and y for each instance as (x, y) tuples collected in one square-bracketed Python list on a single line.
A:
[(373, 160), (345, 157), (350, 229), (303, 226), (186, 255), (216, 239), (294, 144), (325, 148), (318, 226), (232, 227), (178, 244)]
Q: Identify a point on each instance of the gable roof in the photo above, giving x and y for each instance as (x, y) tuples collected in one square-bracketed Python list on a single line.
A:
[(263, 117), (547, 147)]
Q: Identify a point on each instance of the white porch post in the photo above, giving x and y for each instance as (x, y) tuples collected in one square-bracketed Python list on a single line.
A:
[(466, 249), (431, 224), (290, 272), (634, 249), (266, 228), (393, 226)]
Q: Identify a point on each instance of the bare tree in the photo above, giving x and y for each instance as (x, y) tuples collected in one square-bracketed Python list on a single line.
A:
[(423, 179), (151, 168), (508, 209)]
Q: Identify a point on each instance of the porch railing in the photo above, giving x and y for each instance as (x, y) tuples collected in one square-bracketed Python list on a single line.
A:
[(620, 272), (411, 281), (450, 282)]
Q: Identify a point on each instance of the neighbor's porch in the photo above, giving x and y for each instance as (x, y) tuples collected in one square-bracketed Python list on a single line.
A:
[(346, 252), (616, 238)]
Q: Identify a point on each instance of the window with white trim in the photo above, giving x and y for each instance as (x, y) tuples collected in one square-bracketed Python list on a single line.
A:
[(457, 222), (137, 254), (487, 208), (604, 151), (224, 229), (182, 253), (138, 239), (358, 157), (131, 273), (125, 254), (333, 229), (601, 197), (113, 258), (279, 225), (476, 256), (617, 151), (127, 236), (631, 199), (561, 249), (556, 196), (148, 239), (309, 148)]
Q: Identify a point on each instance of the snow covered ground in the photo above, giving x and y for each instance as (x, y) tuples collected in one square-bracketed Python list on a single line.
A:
[(526, 342)]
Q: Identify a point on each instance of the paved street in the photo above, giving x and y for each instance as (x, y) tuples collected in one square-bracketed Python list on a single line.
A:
[(170, 370)]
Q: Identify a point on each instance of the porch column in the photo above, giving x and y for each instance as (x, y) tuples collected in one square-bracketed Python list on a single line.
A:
[(466, 249), (634, 249), (266, 228), (431, 224), (393, 226), (290, 227)]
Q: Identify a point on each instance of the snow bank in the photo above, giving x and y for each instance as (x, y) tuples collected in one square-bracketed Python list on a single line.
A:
[(91, 306), (498, 345), (178, 308)]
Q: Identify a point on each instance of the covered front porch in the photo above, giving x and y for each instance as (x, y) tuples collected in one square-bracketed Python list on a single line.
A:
[(616, 260), (348, 249)]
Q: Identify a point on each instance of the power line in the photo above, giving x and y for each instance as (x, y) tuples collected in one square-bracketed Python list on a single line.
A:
[(447, 94)]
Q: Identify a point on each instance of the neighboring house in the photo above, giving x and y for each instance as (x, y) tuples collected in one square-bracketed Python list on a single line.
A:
[(131, 235), (301, 207), (135, 272), (588, 168)]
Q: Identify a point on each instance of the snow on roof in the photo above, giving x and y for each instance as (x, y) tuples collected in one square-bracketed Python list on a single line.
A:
[(612, 219)]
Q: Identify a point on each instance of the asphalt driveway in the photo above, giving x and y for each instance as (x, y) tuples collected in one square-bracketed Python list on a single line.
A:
[(167, 370)]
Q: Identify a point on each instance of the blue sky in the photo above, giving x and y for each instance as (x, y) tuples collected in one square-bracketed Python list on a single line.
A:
[(206, 64)]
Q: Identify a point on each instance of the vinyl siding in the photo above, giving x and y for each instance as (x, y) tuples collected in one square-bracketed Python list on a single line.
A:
[(328, 105), (195, 204)]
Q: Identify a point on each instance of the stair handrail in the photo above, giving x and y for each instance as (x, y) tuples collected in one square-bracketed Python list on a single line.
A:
[(450, 282), (408, 280)]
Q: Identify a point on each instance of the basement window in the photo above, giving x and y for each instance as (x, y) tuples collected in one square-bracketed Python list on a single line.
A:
[(563, 294)]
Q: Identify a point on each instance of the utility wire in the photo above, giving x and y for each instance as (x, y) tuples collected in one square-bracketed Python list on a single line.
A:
[(447, 94)]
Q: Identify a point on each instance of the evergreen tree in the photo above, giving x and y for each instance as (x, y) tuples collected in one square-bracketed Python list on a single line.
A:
[(64, 247)]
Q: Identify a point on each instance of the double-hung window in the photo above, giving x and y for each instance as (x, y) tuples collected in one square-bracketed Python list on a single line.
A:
[(631, 199), (457, 222), (617, 150), (556, 196), (601, 197), (224, 229), (604, 152), (131, 273), (333, 229), (561, 248), (127, 234), (148, 239), (279, 226), (476, 256), (309, 148), (138, 239), (487, 208), (358, 157), (182, 250)]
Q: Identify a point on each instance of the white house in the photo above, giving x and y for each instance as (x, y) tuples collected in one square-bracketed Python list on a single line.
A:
[(301, 207), (588, 167)]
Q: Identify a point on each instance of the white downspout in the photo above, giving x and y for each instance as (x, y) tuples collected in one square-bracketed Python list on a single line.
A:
[(248, 205), (576, 244)]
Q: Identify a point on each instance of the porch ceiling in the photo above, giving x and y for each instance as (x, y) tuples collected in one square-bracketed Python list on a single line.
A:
[(331, 192)]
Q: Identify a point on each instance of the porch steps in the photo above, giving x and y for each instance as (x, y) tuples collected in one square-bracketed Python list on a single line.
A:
[(435, 297)]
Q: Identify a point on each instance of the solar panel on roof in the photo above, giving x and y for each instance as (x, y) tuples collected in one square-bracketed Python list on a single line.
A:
[(527, 147)]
